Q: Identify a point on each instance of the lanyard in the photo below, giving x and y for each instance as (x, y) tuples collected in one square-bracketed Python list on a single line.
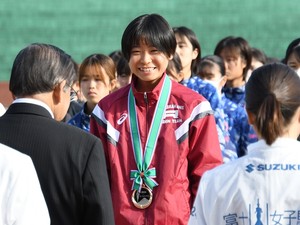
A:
[(144, 174)]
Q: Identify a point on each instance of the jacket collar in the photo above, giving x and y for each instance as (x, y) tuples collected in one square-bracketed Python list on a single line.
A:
[(28, 108), (281, 144), (152, 95), (34, 101)]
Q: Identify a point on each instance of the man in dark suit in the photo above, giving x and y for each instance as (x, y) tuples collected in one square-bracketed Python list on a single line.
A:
[(70, 163)]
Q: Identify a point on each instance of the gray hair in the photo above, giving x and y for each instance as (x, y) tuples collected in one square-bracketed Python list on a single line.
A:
[(38, 68)]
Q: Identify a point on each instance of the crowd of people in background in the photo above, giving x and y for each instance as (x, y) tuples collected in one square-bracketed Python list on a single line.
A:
[(153, 133)]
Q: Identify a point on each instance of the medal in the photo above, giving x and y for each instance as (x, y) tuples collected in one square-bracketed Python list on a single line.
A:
[(143, 176), (143, 198)]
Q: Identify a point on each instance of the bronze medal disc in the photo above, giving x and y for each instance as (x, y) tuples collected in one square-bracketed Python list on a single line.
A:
[(143, 198)]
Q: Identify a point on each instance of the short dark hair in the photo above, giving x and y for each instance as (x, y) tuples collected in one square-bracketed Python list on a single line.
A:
[(183, 31), (154, 30), (38, 68), (116, 56), (209, 60), (123, 68), (259, 55), (174, 63), (272, 94), (290, 49), (236, 43), (296, 52)]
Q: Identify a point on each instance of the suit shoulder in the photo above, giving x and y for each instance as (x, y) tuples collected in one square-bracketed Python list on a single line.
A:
[(12, 159), (68, 130)]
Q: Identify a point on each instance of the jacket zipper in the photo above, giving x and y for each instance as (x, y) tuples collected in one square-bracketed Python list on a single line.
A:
[(147, 109)]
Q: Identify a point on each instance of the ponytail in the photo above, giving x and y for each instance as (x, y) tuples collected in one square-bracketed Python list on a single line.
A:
[(272, 95), (269, 119)]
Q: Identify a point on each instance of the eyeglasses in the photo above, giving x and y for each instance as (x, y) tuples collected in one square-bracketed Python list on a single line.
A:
[(73, 94)]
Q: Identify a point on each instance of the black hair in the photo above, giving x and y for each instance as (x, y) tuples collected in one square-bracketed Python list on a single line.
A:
[(116, 56), (123, 68), (236, 43), (175, 63), (209, 60), (152, 29), (259, 55), (290, 49), (191, 36)]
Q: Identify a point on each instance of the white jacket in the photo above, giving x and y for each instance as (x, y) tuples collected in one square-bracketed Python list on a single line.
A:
[(2, 109), (21, 198), (262, 187)]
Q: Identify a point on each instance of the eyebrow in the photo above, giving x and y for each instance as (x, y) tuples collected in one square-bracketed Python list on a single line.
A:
[(207, 74), (181, 42)]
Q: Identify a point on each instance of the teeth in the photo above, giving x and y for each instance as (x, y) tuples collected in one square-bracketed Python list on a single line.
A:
[(146, 69)]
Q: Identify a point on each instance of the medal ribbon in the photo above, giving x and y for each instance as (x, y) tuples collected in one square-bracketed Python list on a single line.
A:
[(144, 174)]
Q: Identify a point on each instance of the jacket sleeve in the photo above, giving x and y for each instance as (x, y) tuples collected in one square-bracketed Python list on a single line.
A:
[(98, 128), (97, 197), (205, 152)]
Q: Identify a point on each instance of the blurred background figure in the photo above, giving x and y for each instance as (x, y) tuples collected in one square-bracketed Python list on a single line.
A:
[(238, 131), (116, 55), (259, 59), (189, 50), (76, 93), (236, 53), (237, 56), (124, 74), (97, 79), (174, 68), (212, 70), (292, 56)]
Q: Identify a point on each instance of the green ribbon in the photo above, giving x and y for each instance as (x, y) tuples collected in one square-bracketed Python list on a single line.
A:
[(144, 174)]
